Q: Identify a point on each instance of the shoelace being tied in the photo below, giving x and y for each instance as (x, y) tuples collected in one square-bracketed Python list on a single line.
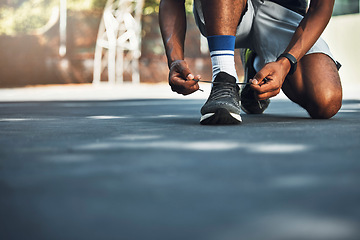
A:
[(238, 83)]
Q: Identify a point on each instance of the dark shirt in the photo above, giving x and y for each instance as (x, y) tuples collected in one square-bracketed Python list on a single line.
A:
[(298, 6)]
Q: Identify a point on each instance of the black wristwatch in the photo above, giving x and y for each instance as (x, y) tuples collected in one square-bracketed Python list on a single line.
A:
[(292, 61)]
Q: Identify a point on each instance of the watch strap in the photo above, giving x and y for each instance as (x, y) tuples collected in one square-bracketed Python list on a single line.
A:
[(292, 60)]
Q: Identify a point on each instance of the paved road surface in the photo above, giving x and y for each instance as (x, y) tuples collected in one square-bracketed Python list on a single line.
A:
[(145, 169)]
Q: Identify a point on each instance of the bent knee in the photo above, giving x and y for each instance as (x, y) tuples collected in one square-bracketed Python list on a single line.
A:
[(326, 106)]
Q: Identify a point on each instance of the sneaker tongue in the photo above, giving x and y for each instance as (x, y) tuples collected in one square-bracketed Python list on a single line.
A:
[(224, 77)]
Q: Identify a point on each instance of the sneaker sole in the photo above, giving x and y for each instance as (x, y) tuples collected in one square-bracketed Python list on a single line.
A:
[(220, 117)]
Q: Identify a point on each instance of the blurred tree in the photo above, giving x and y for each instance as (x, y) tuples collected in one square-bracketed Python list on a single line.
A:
[(23, 16), (152, 6)]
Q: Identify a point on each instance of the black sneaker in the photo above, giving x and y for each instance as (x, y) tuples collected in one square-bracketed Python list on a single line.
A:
[(223, 104), (249, 103)]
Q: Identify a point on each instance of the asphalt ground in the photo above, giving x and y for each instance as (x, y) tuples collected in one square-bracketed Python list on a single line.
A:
[(146, 169)]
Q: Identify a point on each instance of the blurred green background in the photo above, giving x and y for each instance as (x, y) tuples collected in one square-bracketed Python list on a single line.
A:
[(23, 16)]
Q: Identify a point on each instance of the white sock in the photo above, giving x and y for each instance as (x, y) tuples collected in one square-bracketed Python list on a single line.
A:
[(222, 54), (223, 61)]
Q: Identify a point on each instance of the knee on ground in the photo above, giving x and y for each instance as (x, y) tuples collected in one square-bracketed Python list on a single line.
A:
[(326, 106)]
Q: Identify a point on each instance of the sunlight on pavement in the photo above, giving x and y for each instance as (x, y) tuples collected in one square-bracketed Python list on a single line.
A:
[(191, 145), (14, 119), (165, 116), (292, 181), (134, 137), (349, 110), (278, 148), (68, 158), (297, 225), (106, 117), (166, 145), (24, 119)]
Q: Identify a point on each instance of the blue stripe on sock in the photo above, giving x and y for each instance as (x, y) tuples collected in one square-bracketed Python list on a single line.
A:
[(228, 54), (221, 42)]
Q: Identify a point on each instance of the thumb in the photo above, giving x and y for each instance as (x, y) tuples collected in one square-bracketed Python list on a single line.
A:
[(185, 71), (259, 77)]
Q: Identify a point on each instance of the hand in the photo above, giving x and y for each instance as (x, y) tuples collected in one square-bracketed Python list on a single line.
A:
[(181, 79), (269, 80)]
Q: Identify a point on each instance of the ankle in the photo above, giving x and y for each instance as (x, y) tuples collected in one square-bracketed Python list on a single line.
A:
[(222, 54)]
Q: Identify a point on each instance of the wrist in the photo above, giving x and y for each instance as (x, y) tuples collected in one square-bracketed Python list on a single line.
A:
[(289, 61), (174, 55), (285, 64), (172, 63)]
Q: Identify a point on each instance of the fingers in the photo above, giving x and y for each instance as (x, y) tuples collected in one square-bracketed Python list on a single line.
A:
[(266, 89), (265, 83), (267, 95), (188, 86), (268, 85), (183, 86), (183, 68), (181, 79), (260, 76)]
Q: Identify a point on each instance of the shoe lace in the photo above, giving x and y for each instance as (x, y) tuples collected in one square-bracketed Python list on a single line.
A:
[(223, 89)]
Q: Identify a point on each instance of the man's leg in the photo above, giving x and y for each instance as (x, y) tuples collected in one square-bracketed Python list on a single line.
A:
[(222, 18), (315, 86)]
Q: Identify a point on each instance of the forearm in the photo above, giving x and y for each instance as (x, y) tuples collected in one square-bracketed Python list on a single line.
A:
[(172, 20), (311, 27)]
